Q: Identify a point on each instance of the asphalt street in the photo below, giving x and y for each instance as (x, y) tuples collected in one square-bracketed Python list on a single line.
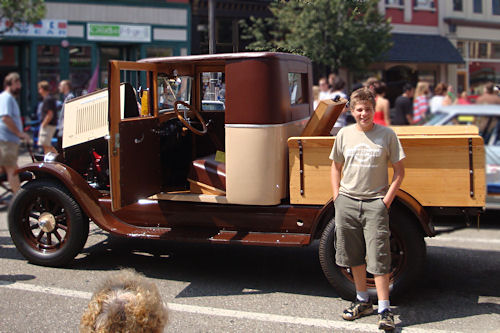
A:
[(253, 289)]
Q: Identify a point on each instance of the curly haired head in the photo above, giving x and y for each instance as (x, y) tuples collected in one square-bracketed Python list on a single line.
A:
[(125, 302)]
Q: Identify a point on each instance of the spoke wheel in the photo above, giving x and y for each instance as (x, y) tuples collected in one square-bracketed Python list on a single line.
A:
[(407, 254), (46, 224)]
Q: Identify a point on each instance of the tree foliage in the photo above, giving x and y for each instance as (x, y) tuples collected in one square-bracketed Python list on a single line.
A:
[(333, 33), (13, 12)]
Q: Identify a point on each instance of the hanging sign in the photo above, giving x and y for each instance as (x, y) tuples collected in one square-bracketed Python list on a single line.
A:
[(44, 28), (119, 32)]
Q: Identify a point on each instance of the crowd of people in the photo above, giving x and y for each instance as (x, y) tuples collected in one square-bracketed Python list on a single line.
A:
[(50, 114), (414, 106)]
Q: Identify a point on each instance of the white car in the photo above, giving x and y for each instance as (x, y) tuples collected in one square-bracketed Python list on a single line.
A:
[(487, 118)]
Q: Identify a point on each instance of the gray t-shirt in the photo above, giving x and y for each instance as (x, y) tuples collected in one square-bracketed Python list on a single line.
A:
[(9, 107), (365, 156)]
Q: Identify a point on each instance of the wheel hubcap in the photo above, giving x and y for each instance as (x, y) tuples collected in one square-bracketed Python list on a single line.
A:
[(47, 222)]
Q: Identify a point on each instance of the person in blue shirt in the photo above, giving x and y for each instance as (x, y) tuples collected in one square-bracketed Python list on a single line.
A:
[(11, 129)]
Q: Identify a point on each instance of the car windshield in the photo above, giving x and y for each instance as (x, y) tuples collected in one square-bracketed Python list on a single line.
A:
[(436, 118), (172, 89)]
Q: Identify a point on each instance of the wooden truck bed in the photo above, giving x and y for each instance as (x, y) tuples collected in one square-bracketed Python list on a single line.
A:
[(439, 170)]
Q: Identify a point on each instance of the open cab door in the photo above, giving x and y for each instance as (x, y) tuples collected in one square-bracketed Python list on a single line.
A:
[(134, 144)]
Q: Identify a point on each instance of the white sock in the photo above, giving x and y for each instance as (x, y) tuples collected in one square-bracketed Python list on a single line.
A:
[(383, 305), (362, 296)]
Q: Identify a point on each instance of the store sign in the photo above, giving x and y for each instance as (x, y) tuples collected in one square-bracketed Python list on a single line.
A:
[(119, 32), (44, 28)]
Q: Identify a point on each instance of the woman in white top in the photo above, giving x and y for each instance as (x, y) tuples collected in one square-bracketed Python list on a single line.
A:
[(437, 100)]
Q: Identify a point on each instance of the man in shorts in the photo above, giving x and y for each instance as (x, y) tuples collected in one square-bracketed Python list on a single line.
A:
[(362, 197), (48, 118), (11, 129)]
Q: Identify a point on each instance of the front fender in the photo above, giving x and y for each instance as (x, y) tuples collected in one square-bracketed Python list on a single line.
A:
[(88, 199)]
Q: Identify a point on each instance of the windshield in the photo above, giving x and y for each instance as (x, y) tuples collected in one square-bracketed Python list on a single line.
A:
[(436, 118), (171, 89)]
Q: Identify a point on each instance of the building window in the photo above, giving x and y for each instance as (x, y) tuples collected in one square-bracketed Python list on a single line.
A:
[(495, 51), (296, 88), (394, 3), (496, 7), (483, 50), (478, 6), (460, 48), (424, 4), (457, 5)]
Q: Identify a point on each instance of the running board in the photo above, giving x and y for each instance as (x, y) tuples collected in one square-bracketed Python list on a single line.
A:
[(261, 238)]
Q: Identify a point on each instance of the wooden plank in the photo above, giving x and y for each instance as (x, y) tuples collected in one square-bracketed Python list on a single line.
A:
[(437, 170), (324, 117), (436, 130)]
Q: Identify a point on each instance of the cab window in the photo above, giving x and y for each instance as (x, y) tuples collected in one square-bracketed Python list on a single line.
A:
[(172, 88), (213, 91)]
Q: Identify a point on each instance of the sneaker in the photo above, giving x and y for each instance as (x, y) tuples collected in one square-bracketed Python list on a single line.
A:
[(357, 309), (386, 320)]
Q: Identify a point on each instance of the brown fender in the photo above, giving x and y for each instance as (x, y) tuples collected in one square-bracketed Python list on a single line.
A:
[(88, 199), (326, 213)]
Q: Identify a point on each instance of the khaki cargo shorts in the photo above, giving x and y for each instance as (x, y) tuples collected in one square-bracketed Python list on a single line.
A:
[(362, 234), (8, 153), (45, 135)]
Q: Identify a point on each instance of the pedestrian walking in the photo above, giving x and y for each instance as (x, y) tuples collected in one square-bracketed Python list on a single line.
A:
[(436, 101), (403, 107), (362, 197), (11, 129), (65, 90), (489, 96), (48, 118), (338, 91), (382, 115), (420, 104)]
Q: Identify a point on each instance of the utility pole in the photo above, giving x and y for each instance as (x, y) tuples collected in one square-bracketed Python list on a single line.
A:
[(211, 26)]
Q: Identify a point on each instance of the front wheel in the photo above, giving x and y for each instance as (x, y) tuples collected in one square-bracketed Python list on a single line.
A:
[(46, 224), (407, 251)]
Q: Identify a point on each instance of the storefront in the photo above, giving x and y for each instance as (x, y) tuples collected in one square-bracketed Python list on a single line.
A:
[(77, 39)]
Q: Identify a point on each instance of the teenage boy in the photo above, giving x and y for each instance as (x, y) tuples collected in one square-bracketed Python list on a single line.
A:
[(362, 197)]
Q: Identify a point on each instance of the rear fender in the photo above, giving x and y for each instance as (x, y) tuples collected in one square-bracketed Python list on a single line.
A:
[(402, 198), (88, 199)]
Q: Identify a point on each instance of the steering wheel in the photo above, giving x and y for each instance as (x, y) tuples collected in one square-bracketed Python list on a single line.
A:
[(186, 121)]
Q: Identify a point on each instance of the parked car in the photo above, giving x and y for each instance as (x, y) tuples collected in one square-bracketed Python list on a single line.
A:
[(256, 173), (487, 118)]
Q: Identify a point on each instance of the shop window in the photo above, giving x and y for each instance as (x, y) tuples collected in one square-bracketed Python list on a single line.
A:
[(458, 5), (48, 60), (80, 68), (296, 85), (159, 52), (478, 6), (496, 7), (213, 91), (9, 56)]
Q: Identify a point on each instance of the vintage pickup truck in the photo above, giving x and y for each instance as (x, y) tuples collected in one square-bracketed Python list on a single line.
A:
[(228, 149)]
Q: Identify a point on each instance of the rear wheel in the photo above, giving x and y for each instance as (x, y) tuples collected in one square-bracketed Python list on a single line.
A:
[(46, 224), (407, 251)]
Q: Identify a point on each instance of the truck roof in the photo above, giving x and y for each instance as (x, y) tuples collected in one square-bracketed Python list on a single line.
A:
[(222, 57)]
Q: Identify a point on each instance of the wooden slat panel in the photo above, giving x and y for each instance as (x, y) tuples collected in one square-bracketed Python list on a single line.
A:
[(437, 170), (436, 130)]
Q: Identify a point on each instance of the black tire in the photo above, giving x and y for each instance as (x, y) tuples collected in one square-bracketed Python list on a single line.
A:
[(70, 229), (408, 257)]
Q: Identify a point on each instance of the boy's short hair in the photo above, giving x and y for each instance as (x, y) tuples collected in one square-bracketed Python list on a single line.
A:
[(125, 302), (10, 79), (362, 95), (44, 85), (408, 87)]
